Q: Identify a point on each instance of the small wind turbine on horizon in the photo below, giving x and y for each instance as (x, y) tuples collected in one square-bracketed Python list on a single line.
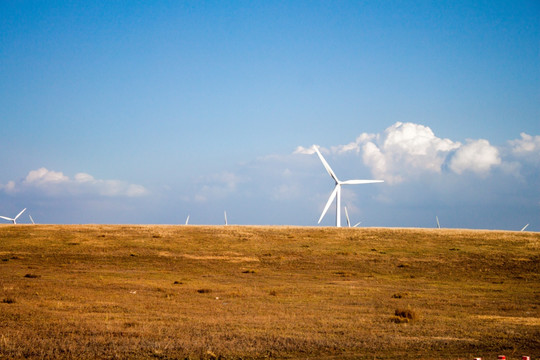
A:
[(225, 214), (337, 189), (32, 220), (349, 221), (14, 220), (438, 225), (187, 220)]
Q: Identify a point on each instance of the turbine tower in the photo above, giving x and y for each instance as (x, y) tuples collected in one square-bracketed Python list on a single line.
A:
[(14, 220), (337, 189)]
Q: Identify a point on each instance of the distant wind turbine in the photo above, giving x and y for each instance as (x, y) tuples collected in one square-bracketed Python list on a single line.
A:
[(337, 189), (187, 220), (32, 220), (349, 221), (225, 213), (438, 225), (14, 220), (524, 227)]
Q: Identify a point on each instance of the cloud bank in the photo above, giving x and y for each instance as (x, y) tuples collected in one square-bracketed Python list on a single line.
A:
[(406, 151), (54, 183)]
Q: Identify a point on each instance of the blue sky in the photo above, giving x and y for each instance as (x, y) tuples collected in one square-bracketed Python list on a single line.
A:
[(145, 112)]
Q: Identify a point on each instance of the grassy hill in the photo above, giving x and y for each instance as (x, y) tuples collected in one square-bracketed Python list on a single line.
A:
[(248, 292)]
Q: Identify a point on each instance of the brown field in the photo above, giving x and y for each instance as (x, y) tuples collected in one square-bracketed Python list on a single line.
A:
[(248, 292)]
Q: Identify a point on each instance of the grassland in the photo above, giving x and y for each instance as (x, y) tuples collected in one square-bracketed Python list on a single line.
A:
[(238, 292)]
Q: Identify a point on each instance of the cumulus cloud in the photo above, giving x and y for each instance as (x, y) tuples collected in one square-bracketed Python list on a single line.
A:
[(477, 156), (406, 151), (403, 149), (526, 145), (304, 151), (55, 183)]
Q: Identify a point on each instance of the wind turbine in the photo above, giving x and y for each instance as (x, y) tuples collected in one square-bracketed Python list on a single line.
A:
[(438, 225), (187, 220), (337, 189), (349, 221), (225, 213), (32, 220), (14, 220), (524, 227)]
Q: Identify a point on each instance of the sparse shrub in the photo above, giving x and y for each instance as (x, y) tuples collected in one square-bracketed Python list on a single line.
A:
[(401, 266), (204, 291), (404, 316), (399, 295), (178, 283), (248, 272), (8, 301), (273, 293), (31, 276)]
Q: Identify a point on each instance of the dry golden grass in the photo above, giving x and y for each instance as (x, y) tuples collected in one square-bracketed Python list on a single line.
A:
[(239, 292)]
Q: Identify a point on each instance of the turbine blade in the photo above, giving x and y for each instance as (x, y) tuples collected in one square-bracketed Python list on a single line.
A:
[(356, 182), (524, 227), (330, 199), (358, 223), (326, 166), (347, 216), (19, 214), (187, 220), (31, 219), (6, 218)]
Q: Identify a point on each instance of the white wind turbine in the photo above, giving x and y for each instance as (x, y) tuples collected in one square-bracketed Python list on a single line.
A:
[(225, 214), (349, 221), (187, 220), (14, 220), (337, 189)]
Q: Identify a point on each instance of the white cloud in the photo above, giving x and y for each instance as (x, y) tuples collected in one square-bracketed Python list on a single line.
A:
[(304, 151), (42, 177), (406, 151), (402, 150), (477, 156), (527, 144), (55, 183)]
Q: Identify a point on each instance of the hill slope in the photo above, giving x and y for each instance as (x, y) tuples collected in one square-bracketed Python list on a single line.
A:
[(267, 292)]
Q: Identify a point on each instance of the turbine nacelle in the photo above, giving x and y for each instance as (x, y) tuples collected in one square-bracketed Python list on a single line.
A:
[(336, 193), (13, 220)]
